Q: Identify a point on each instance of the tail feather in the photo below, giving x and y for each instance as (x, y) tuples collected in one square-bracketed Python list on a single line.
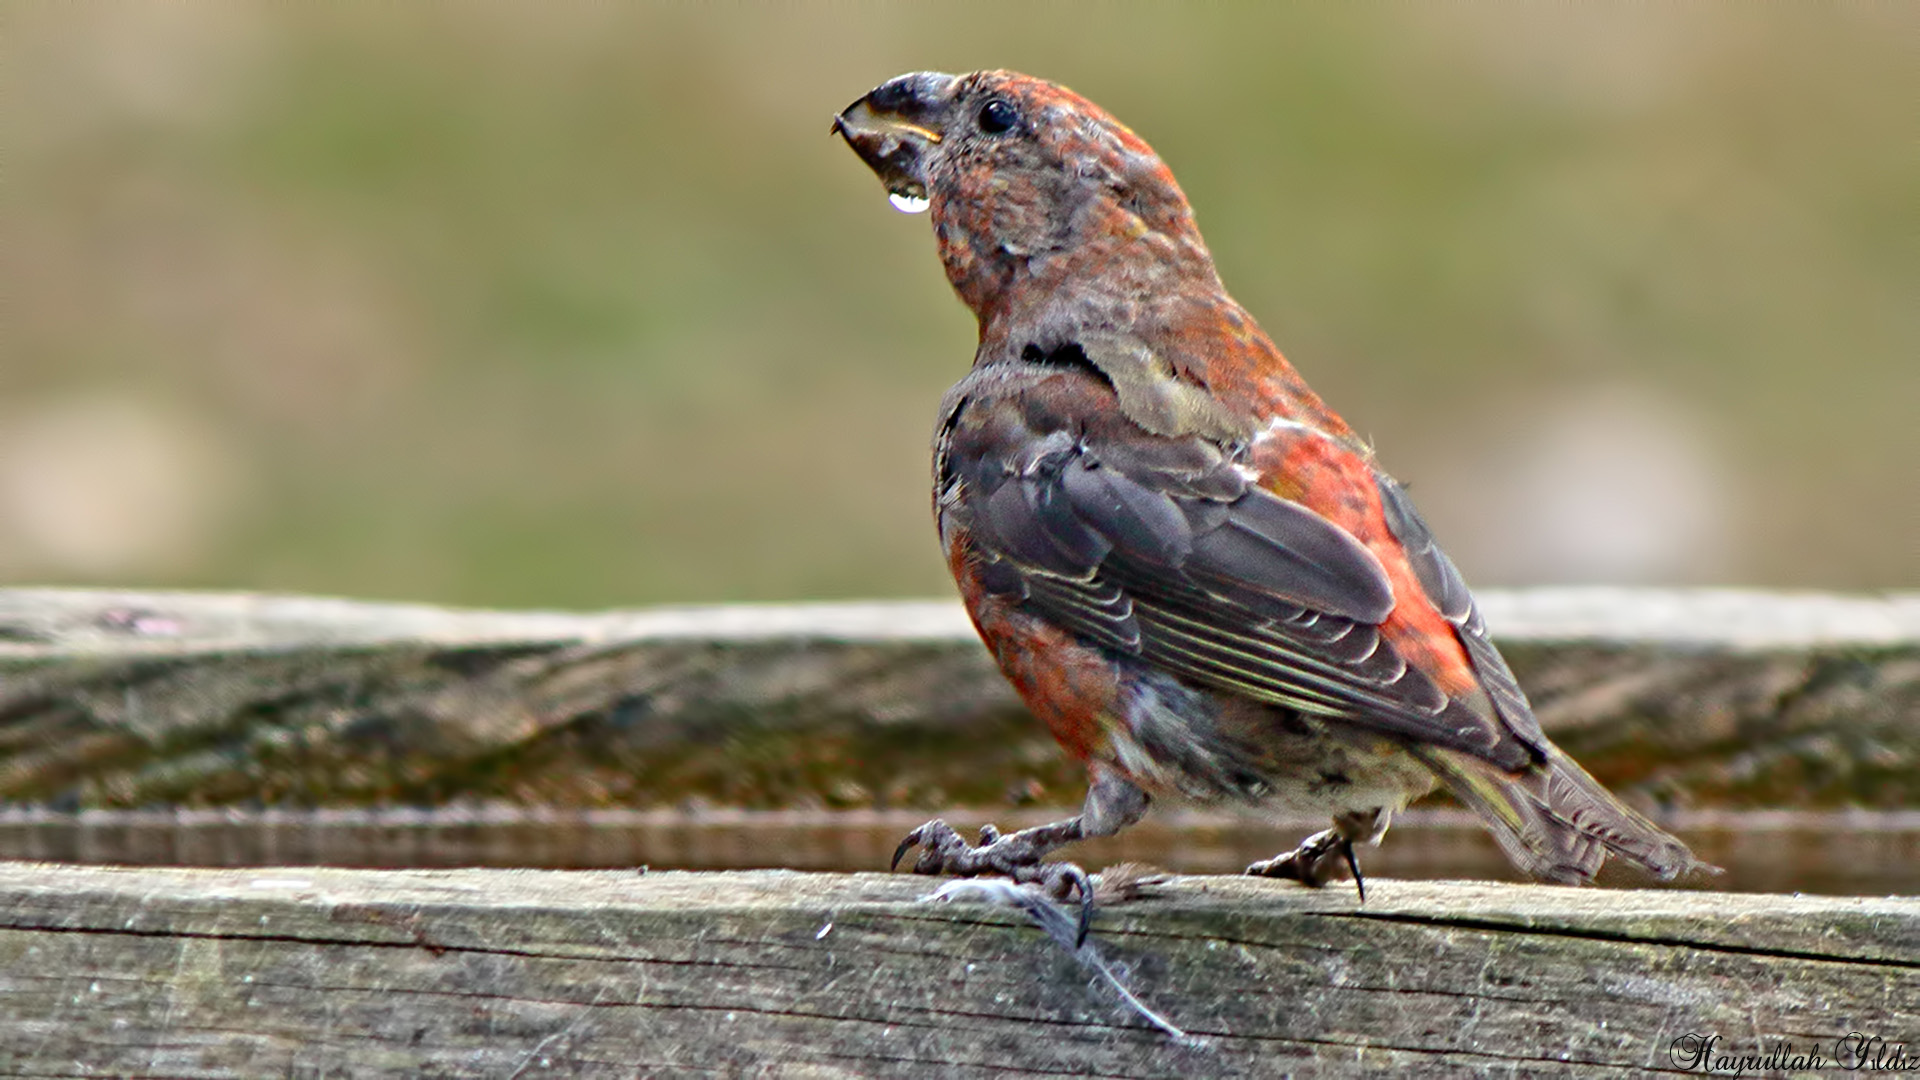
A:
[(1556, 822)]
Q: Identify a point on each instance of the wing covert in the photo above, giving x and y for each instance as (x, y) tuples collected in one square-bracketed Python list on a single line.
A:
[(1161, 548)]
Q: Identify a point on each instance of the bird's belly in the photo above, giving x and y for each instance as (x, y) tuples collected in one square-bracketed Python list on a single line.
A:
[(1204, 746)]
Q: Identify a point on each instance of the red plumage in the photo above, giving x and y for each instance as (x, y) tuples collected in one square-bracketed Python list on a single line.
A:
[(1192, 570)]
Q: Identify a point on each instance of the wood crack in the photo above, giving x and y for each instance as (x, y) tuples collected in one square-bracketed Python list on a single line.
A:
[(757, 977), (1616, 937), (368, 943)]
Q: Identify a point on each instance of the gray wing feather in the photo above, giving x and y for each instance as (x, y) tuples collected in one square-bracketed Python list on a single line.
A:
[(1448, 590), (1287, 551), (1171, 556)]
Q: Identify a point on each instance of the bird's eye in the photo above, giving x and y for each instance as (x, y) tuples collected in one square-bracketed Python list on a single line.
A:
[(997, 117)]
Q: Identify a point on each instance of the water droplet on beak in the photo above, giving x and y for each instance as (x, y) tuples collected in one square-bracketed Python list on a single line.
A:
[(909, 204)]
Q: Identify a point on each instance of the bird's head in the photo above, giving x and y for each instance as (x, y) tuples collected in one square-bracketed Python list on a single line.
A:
[(1027, 181)]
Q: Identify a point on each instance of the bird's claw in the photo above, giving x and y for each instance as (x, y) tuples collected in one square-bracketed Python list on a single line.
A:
[(942, 851), (1315, 862)]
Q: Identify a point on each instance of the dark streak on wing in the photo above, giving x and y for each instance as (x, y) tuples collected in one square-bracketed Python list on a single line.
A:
[(1158, 547), (1448, 591)]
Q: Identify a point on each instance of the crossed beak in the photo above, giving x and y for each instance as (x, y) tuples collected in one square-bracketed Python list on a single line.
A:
[(895, 127)]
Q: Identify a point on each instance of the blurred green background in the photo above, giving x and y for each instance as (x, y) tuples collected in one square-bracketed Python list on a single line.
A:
[(578, 304)]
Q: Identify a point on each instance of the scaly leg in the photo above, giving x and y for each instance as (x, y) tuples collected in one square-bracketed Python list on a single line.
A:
[(1113, 803), (1318, 858)]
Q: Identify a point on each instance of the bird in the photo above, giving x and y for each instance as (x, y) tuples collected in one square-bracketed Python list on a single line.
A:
[(1191, 569)]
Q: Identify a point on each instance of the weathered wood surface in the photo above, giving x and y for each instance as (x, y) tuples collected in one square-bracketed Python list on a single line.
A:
[(309, 973), (1674, 697)]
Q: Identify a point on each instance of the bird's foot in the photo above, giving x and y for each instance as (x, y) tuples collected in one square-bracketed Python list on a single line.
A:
[(1317, 860), (1017, 856)]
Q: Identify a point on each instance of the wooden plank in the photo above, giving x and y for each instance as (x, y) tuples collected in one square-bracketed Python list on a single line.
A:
[(1674, 697), (60, 622), (313, 972)]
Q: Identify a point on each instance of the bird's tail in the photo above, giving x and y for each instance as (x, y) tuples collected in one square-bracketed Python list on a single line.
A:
[(1557, 823)]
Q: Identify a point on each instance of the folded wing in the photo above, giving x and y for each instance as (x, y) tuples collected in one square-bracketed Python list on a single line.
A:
[(1162, 549)]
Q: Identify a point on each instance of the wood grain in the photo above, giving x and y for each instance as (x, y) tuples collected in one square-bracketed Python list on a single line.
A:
[(1673, 697), (330, 972)]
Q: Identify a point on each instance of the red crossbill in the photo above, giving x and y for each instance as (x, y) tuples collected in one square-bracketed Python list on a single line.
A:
[(1192, 570)]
